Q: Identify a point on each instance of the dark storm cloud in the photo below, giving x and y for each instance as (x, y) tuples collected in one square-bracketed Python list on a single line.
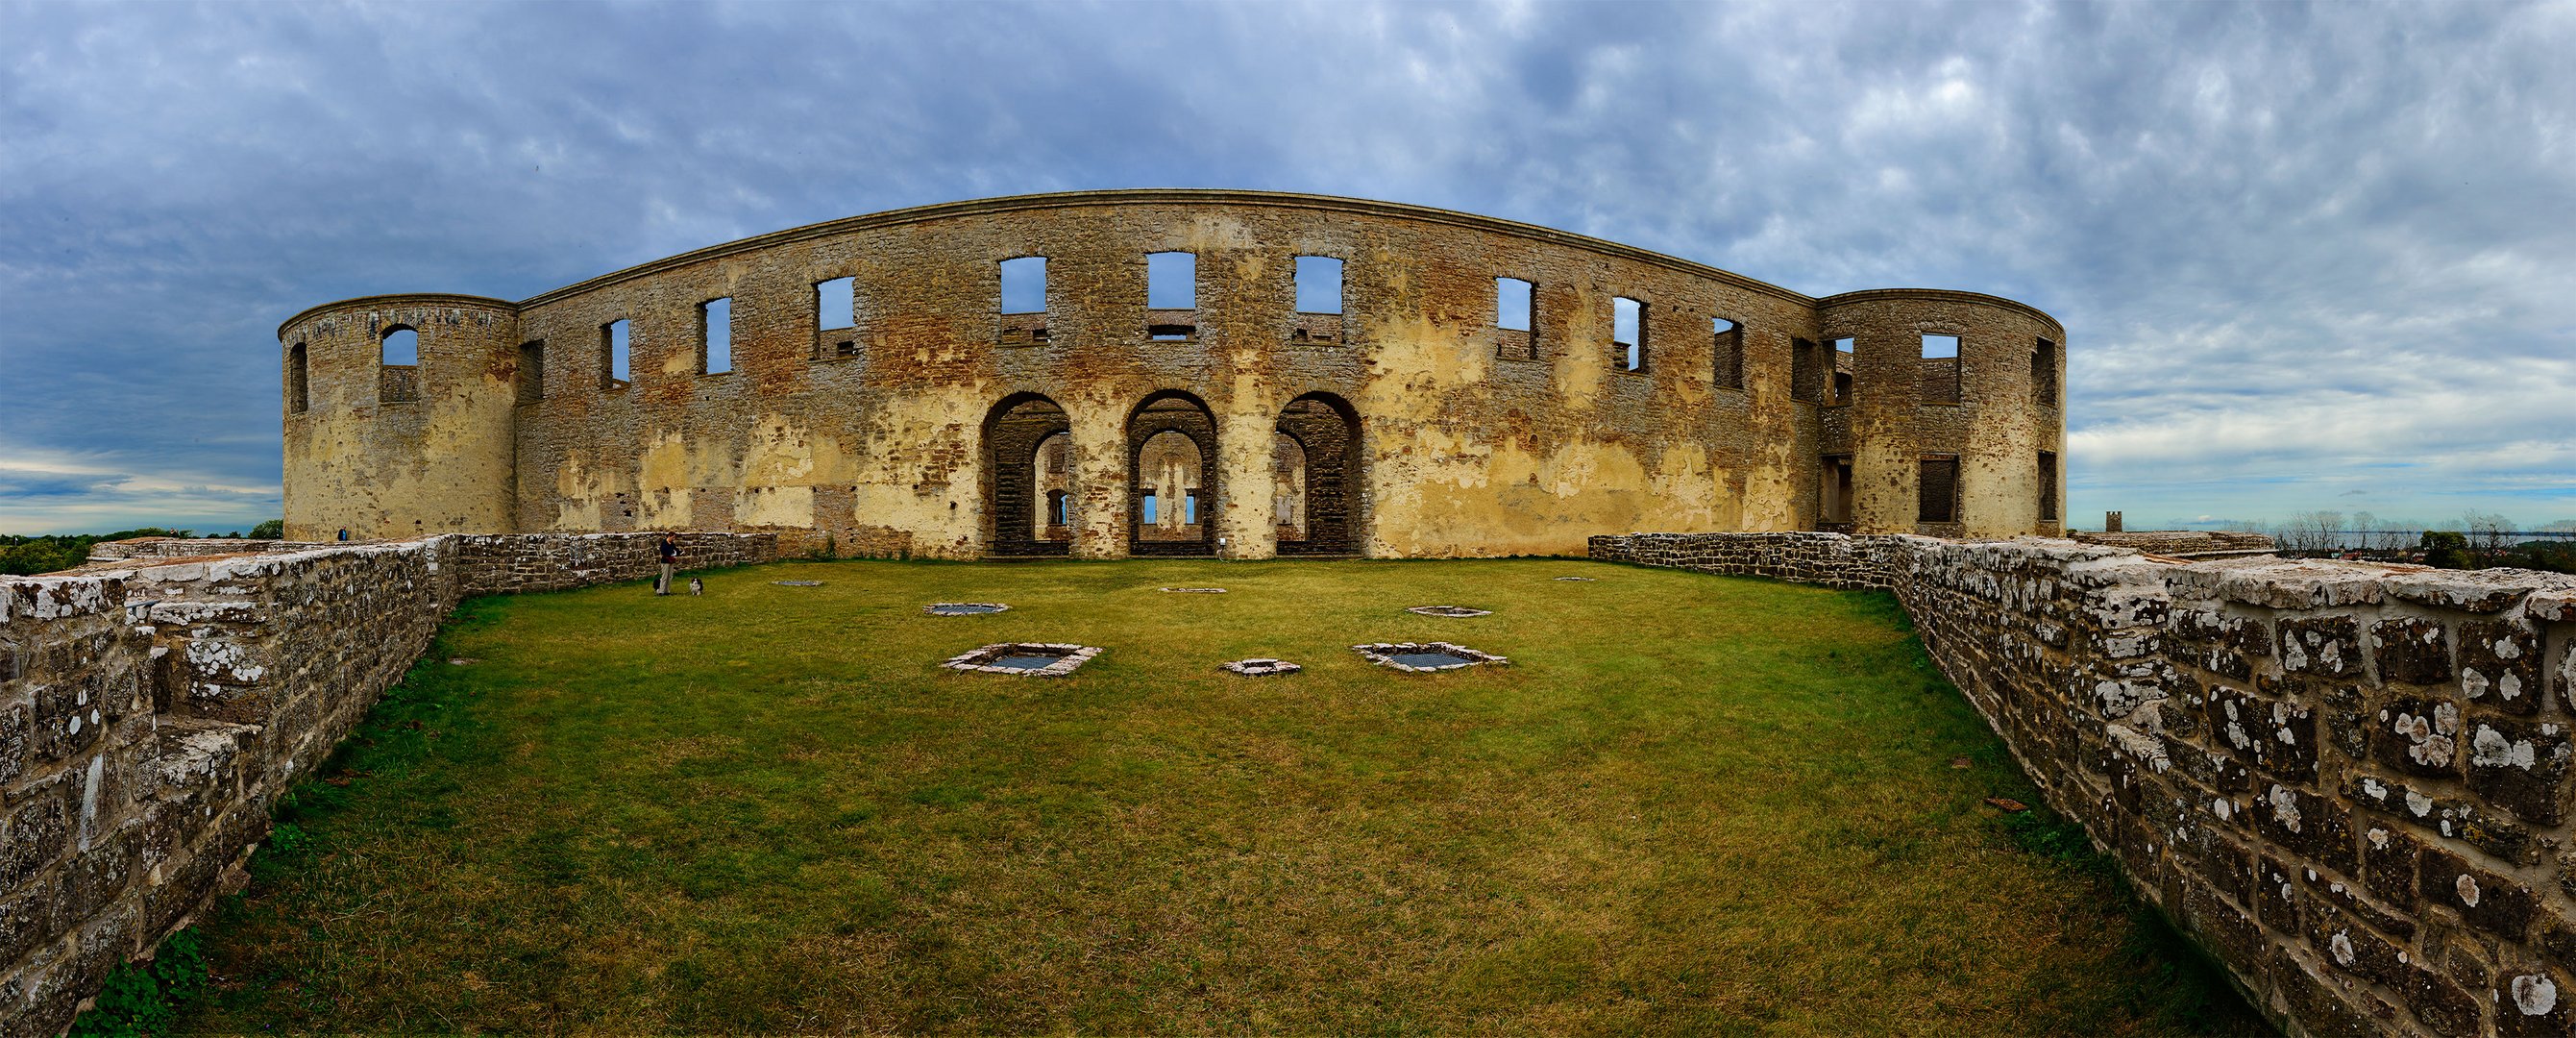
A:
[(2302, 252)]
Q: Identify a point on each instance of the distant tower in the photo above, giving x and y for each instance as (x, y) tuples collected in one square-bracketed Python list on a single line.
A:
[(387, 449)]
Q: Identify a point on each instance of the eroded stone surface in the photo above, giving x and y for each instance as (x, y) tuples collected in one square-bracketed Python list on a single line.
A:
[(2344, 780), (149, 715)]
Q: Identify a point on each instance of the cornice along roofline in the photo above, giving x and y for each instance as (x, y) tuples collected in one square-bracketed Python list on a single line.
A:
[(399, 299), (1867, 295), (1191, 196)]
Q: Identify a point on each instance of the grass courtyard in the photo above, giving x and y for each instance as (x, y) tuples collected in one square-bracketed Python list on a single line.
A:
[(1690, 804)]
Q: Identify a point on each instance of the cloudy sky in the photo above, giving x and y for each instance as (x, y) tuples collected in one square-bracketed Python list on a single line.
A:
[(2308, 257)]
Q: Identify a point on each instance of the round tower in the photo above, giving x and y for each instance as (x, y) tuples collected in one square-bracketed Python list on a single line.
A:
[(399, 417), (1955, 425)]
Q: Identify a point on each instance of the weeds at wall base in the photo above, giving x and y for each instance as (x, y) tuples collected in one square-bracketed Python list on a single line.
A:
[(145, 997)]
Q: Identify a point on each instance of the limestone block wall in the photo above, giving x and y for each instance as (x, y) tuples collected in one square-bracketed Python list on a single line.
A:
[(2350, 783), (150, 716), (135, 551)]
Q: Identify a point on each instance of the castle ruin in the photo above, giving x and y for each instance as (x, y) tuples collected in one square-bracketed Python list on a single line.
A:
[(1217, 373)]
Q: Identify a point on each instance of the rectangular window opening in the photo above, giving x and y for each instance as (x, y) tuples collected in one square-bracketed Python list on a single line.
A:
[(1515, 319), (1845, 370), (1628, 333), (1319, 285), (1024, 285), (1940, 369), (1806, 378), (1171, 296), (1147, 508), (532, 371), (1730, 353), (715, 336), (613, 343), (1512, 304), (1024, 301), (836, 304), (1834, 504), (2043, 373), (1171, 281), (298, 385), (1190, 506), (1939, 491), (2047, 486)]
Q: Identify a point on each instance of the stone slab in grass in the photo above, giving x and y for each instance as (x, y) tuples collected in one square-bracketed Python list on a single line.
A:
[(1025, 659), (1259, 667), (964, 608), (1449, 610), (1425, 657)]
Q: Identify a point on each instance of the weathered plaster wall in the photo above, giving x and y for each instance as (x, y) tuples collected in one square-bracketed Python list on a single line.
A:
[(2350, 783), (1996, 429), (439, 462), (1471, 440), (150, 716)]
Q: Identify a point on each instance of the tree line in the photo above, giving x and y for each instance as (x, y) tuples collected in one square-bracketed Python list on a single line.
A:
[(2477, 540), (22, 555)]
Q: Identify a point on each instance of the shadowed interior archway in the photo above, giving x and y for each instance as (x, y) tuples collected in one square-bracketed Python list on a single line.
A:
[(1327, 433), (1183, 517), (1013, 432)]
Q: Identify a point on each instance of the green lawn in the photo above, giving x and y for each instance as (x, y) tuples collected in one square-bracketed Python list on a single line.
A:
[(1690, 804)]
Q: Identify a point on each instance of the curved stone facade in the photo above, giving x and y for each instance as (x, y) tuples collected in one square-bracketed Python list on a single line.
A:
[(1645, 393)]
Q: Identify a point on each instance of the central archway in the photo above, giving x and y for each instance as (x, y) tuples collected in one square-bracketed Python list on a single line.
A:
[(1325, 433), (1015, 480), (1175, 493)]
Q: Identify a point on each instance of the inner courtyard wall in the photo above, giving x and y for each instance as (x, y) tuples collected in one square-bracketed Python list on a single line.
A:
[(2353, 785), (150, 716), (1471, 439)]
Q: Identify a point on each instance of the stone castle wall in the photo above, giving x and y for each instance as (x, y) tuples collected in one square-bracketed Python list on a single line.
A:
[(2350, 783), (1456, 436), (150, 716)]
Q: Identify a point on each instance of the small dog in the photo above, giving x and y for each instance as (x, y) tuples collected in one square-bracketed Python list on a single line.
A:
[(697, 586)]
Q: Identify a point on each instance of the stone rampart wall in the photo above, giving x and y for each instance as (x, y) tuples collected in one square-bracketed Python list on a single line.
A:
[(2183, 543), (150, 716), (2350, 783), (138, 550)]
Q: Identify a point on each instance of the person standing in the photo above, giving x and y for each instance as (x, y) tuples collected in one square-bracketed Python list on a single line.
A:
[(670, 562)]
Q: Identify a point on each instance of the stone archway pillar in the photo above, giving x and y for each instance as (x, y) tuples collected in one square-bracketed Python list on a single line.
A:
[(1243, 455), (1099, 483)]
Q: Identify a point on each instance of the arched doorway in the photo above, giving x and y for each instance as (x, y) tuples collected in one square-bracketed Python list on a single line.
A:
[(1172, 477), (1323, 434), (1018, 478), (1052, 489)]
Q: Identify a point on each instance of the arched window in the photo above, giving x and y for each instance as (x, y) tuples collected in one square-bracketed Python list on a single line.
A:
[(296, 385), (398, 370), (1058, 512), (401, 346)]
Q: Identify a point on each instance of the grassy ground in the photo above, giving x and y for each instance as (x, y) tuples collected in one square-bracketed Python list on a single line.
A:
[(1691, 803)]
